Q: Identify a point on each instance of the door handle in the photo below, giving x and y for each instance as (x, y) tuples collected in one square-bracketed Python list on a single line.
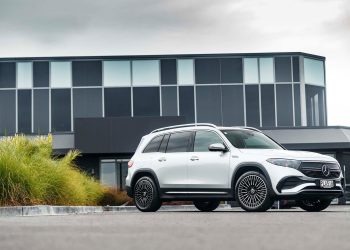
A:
[(194, 158), (162, 159)]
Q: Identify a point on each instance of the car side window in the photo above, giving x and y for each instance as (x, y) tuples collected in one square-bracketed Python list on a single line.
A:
[(164, 143), (153, 145), (178, 142), (204, 139)]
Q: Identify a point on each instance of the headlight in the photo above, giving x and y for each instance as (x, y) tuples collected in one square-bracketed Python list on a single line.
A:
[(285, 163)]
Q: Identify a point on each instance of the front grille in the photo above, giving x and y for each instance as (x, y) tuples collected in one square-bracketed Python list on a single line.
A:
[(314, 169)]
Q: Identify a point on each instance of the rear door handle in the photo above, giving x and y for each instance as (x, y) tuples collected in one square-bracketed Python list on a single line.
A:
[(194, 158), (162, 159)]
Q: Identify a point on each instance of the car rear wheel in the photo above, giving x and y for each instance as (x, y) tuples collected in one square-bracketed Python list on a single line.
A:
[(146, 195), (206, 206), (314, 205), (253, 192)]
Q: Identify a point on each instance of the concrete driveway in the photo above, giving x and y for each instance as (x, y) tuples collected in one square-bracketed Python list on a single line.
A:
[(224, 229)]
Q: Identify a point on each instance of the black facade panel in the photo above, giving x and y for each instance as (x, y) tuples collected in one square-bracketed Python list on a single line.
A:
[(87, 102), (296, 73), (60, 110), (231, 70), (108, 135), (24, 111), (168, 71), (146, 101), (87, 73), (41, 111), (41, 74), (7, 75), (252, 105), (186, 103), (267, 105), (7, 112), (169, 101), (207, 71), (283, 69), (232, 105), (284, 97), (297, 106), (208, 100), (117, 102)]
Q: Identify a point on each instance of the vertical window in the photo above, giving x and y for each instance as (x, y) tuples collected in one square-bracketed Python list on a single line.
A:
[(251, 70), (252, 105), (61, 110), (207, 71), (168, 71), (145, 73), (297, 108), (24, 111), (169, 101), (268, 105), (61, 74), (146, 101), (186, 103), (108, 173), (208, 100), (117, 102), (7, 112), (7, 75), (204, 139), (87, 102), (284, 98), (178, 142), (41, 76), (185, 73), (266, 70), (314, 71), (231, 70), (315, 105), (232, 105), (24, 75), (296, 73), (41, 111), (116, 73), (283, 69), (153, 145), (87, 73)]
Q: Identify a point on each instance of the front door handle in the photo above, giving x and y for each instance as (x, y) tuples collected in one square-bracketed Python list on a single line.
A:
[(161, 159), (194, 158)]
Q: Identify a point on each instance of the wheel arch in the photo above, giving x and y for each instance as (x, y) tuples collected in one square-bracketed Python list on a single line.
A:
[(141, 173)]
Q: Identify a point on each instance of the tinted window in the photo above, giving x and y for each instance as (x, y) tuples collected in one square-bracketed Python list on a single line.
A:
[(41, 74), (267, 105), (231, 70), (87, 73), (24, 111), (7, 112), (207, 71), (164, 143), (146, 101), (204, 139), (178, 142), (284, 105), (252, 105), (7, 75), (283, 69), (61, 110), (232, 105), (209, 104), (168, 71), (169, 101), (297, 108), (117, 102), (87, 103), (186, 99), (315, 106), (296, 74), (41, 111), (153, 145)]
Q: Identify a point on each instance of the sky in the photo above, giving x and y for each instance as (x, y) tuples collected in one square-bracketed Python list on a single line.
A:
[(114, 27)]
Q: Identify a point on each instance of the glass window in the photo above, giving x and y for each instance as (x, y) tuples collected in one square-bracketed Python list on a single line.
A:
[(7, 112), (153, 145), (232, 105), (168, 71), (231, 70), (283, 69), (116, 73), (315, 106), (117, 102), (164, 143), (314, 71), (284, 105), (204, 139), (87, 102), (208, 100), (266, 70), (250, 139), (251, 70), (7, 75), (24, 75), (186, 103), (207, 71), (108, 173), (61, 110), (146, 101), (297, 108), (87, 73), (145, 72), (41, 74), (24, 117), (268, 105), (296, 74), (61, 74), (169, 101), (178, 142), (185, 72), (252, 105), (41, 111)]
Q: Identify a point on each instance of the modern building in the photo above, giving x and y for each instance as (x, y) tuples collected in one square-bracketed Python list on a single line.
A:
[(102, 105)]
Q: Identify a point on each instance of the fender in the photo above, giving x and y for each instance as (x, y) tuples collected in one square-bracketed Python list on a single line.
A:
[(144, 171)]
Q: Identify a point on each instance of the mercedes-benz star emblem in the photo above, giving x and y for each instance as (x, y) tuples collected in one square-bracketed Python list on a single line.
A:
[(325, 170)]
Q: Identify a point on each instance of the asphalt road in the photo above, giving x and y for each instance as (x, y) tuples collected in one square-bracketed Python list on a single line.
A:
[(225, 229)]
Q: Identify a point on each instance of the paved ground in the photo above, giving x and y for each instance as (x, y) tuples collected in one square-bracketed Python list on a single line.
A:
[(225, 229)]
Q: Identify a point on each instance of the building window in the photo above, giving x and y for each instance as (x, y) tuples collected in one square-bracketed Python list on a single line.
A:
[(116, 73), (207, 71), (41, 75), (87, 102), (145, 73), (146, 101), (61, 110), (108, 173), (251, 70), (284, 97), (169, 101), (185, 72), (61, 74), (252, 105), (117, 102), (283, 69), (231, 70), (24, 116), (24, 75), (186, 103), (314, 71), (208, 100), (268, 105), (7, 112), (266, 70), (232, 105), (7, 75), (168, 71), (41, 111), (87, 73)]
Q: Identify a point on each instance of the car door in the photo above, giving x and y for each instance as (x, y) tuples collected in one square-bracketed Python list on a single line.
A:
[(207, 169), (172, 170)]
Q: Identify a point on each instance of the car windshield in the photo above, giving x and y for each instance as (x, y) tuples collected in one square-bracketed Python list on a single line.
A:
[(250, 139)]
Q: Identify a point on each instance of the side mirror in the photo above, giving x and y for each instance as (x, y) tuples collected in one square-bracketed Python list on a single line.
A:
[(217, 147)]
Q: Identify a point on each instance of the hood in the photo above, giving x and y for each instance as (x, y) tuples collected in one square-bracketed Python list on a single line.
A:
[(288, 154)]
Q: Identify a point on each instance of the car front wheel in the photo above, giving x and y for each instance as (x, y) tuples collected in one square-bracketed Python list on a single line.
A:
[(146, 195), (314, 205), (206, 206)]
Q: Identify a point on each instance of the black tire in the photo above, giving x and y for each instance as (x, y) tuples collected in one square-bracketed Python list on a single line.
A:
[(253, 192), (146, 196), (314, 205), (206, 206)]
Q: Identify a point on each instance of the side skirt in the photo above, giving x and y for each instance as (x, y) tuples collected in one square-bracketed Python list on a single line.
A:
[(196, 194)]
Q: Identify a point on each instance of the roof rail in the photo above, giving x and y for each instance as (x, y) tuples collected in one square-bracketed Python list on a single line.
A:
[(184, 126), (252, 128)]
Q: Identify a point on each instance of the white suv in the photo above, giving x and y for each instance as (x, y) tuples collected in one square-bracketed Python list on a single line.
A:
[(207, 164)]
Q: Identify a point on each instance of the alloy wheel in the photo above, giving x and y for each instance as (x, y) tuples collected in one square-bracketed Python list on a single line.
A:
[(144, 194), (252, 191)]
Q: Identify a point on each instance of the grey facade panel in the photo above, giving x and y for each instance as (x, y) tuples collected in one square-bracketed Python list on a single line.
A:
[(208, 100), (7, 112), (169, 101), (284, 99), (87, 102), (24, 114), (186, 99), (232, 105), (252, 105), (60, 110), (168, 71), (41, 109), (268, 105)]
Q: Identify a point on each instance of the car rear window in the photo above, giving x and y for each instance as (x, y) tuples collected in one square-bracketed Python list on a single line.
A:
[(153, 145), (178, 142)]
